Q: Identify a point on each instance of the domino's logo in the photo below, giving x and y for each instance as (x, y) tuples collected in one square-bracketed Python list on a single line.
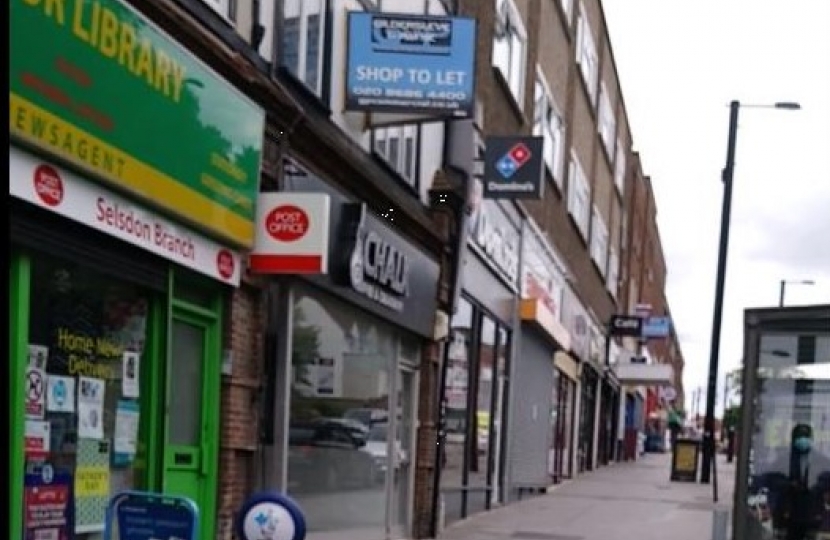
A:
[(513, 160)]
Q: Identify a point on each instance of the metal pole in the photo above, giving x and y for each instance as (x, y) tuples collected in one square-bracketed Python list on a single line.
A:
[(781, 293), (711, 393)]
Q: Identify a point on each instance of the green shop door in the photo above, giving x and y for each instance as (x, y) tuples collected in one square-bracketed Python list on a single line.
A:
[(192, 412)]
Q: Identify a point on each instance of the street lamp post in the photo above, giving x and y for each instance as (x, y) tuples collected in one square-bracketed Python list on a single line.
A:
[(711, 390), (783, 288)]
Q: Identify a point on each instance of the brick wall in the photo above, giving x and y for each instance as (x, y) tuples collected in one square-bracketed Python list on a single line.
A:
[(245, 321)]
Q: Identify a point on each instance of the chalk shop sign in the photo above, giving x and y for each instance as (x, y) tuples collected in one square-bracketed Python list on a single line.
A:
[(411, 63)]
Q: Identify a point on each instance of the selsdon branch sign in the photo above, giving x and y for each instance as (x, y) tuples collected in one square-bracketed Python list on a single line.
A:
[(96, 83)]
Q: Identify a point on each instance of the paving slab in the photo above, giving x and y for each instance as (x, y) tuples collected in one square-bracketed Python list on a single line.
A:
[(623, 501)]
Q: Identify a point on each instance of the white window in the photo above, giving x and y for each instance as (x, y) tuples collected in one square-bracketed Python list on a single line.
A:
[(579, 196), (612, 281), (607, 124), (548, 124), (586, 54), (568, 8), (599, 241), (398, 146), (510, 47), (619, 167), (302, 42), (221, 7)]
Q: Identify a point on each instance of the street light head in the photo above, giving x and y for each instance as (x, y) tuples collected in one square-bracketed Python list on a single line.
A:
[(788, 105)]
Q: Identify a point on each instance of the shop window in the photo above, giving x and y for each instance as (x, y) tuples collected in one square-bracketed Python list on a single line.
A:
[(86, 349), (350, 402)]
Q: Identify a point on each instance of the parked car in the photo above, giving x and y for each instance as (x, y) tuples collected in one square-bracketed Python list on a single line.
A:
[(377, 446), (324, 456), (367, 416)]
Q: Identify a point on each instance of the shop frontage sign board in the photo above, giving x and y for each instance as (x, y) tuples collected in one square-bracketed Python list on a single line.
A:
[(496, 239), (625, 325), (411, 63), (63, 192), (656, 327), (103, 88), (292, 234), (540, 277), (373, 263), (513, 168)]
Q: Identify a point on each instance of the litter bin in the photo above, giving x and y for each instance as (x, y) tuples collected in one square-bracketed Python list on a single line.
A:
[(684, 460)]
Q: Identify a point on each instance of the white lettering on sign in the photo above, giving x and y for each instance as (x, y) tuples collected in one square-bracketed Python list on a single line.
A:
[(72, 196), (379, 270), (498, 239)]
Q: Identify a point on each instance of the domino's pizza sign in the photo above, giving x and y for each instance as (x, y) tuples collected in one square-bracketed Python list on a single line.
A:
[(270, 516), (513, 168)]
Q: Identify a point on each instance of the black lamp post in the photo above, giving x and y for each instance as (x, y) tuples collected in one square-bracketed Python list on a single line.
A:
[(708, 460)]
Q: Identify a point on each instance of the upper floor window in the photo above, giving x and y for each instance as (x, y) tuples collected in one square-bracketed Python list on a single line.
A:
[(302, 42), (510, 47), (579, 196), (548, 124), (221, 7), (612, 279), (599, 241), (607, 124), (398, 146), (568, 10), (619, 167), (586, 54)]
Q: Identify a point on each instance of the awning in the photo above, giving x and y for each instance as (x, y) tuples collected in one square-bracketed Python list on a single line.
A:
[(566, 365), (645, 374)]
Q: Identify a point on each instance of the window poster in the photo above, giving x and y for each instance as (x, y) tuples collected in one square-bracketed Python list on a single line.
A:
[(38, 439), (129, 374), (47, 500), (38, 355), (90, 408), (35, 393), (60, 394), (92, 485), (126, 432)]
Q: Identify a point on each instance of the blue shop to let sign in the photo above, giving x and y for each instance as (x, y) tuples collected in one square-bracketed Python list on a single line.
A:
[(656, 327), (411, 63)]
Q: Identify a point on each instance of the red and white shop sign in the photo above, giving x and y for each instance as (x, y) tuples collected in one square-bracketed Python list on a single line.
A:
[(78, 199), (292, 233)]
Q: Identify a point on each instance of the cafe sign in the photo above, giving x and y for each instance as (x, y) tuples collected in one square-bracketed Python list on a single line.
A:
[(95, 83)]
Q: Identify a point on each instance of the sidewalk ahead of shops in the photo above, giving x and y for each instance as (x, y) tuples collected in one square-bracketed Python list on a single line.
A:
[(624, 501)]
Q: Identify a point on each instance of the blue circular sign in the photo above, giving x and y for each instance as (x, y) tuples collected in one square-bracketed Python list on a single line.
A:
[(270, 516)]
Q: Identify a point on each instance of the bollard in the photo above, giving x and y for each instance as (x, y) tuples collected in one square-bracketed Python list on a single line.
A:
[(720, 524)]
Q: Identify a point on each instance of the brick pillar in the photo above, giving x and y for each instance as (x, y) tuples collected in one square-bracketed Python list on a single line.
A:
[(245, 320), (426, 455)]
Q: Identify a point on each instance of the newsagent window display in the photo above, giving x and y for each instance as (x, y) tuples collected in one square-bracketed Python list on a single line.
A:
[(86, 335)]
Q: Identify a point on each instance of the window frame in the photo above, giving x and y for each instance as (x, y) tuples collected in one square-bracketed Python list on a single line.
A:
[(507, 18), (606, 121), (579, 192), (620, 163), (302, 44), (222, 8), (407, 169), (554, 137), (599, 241), (587, 56), (613, 274)]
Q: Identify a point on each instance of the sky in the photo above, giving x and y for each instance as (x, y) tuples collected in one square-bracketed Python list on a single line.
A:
[(680, 63)]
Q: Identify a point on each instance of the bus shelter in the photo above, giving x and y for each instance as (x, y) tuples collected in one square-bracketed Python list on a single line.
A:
[(783, 471)]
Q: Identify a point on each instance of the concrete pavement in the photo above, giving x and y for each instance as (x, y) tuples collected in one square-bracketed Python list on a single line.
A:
[(624, 501)]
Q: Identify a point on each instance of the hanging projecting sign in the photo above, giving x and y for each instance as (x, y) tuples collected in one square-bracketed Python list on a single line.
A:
[(513, 168), (411, 63), (292, 235), (626, 325), (656, 327)]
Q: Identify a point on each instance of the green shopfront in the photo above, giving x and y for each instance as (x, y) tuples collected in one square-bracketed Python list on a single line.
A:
[(133, 170)]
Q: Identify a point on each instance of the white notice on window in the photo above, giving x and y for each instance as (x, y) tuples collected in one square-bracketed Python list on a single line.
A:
[(126, 428), (129, 374), (90, 408), (60, 394)]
